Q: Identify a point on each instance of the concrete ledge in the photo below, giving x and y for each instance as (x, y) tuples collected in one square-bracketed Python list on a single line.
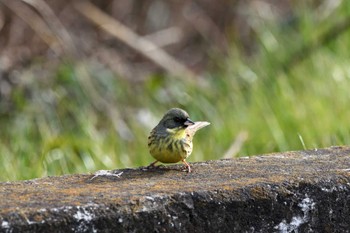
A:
[(300, 191)]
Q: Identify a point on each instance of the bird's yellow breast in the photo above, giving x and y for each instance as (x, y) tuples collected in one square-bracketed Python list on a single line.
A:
[(172, 148)]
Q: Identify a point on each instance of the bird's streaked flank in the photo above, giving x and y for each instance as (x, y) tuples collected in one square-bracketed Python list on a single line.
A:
[(171, 140)]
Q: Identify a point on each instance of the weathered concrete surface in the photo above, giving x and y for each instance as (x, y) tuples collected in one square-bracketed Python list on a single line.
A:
[(300, 191)]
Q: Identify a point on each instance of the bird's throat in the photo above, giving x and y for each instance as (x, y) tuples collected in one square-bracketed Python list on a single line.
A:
[(177, 133)]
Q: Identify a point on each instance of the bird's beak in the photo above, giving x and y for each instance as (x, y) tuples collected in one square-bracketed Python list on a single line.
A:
[(188, 122)]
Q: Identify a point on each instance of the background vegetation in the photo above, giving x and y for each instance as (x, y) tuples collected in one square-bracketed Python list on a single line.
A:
[(287, 89)]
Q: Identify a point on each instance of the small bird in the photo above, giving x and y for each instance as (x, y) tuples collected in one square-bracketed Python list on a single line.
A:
[(171, 140)]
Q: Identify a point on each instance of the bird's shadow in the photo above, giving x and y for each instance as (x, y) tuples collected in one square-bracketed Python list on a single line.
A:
[(134, 173)]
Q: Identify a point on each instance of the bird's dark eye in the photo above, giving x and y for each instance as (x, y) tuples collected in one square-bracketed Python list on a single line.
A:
[(177, 119)]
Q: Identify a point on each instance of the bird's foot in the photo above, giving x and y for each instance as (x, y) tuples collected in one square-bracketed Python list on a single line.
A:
[(187, 166), (152, 165)]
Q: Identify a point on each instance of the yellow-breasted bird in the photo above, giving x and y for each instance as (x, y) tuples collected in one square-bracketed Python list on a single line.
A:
[(171, 140)]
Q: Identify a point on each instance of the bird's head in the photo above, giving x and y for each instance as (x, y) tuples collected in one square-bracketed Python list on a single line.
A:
[(176, 119)]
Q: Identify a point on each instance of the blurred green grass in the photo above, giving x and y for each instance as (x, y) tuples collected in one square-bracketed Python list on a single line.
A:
[(71, 123)]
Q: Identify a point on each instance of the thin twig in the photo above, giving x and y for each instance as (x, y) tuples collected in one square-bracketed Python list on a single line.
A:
[(206, 27), (34, 21), (236, 145), (165, 37), (55, 25), (127, 36)]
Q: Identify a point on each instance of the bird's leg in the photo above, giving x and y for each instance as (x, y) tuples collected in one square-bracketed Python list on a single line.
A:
[(187, 166), (152, 164)]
